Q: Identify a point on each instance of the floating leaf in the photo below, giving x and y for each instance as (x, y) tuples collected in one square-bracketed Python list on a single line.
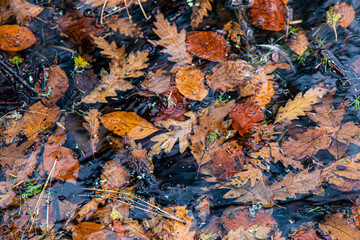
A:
[(339, 226), (111, 50), (174, 105), (21, 9), (268, 14), (88, 230), (208, 45), (128, 123), (199, 11), (114, 175), (15, 38), (157, 82), (190, 82), (126, 27), (92, 126), (246, 117), (299, 44)]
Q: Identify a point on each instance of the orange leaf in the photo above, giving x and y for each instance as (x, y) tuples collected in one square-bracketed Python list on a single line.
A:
[(246, 117), (190, 82), (299, 44), (15, 38), (268, 14), (208, 45), (128, 123), (67, 166), (347, 13), (88, 231), (174, 107)]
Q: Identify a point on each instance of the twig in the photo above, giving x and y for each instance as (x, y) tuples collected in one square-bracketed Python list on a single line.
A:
[(142, 9), (102, 12)]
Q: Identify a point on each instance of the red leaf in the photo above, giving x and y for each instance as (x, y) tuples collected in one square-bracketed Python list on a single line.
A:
[(174, 107), (246, 117), (268, 14), (208, 45)]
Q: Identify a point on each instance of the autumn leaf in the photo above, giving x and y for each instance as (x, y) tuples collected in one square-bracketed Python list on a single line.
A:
[(268, 14), (97, 3), (174, 106), (128, 123), (7, 195), (67, 165), (92, 126), (190, 82), (339, 226), (114, 175), (15, 38), (111, 50), (125, 26), (199, 11), (342, 15), (208, 45), (246, 117), (21, 9), (173, 41), (157, 82), (59, 136), (234, 31), (299, 44), (88, 230), (181, 131), (210, 132), (356, 66), (301, 103)]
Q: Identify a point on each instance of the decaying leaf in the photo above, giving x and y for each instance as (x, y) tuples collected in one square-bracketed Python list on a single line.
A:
[(299, 44), (92, 126), (15, 38), (173, 41), (339, 226), (157, 82), (246, 117), (111, 50), (208, 45), (181, 131), (7, 194), (234, 32), (67, 165), (199, 11), (211, 131), (126, 27), (268, 14), (114, 175), (190, 82), (59, 136), (174, 106), (203, 207), (342, 15), (128, 123), (88, 230), (22, 9)]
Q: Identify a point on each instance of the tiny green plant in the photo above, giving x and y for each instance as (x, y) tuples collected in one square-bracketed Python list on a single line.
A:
[(333, 20), (16, 60), (356, 103)]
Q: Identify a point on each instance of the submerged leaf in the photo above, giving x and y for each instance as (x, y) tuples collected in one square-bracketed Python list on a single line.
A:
[(268, 14), (92, 126), (15, 38), (199, 11), (246, 117), (299, 44), (190, 82), (126, 27)]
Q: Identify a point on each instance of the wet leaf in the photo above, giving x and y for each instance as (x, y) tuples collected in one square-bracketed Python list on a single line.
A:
[(308, 234), (92, 126), (230, 75), (59, 136), (88, 231), (114, 175), (180, 130), (208, 45), (338, 226), (356, 65), (268, 14), (111, 50), (234, 32), (128, 123), (21, 9), (228, 160), (173, 41), (299, 44), (199, 11), (125, 26), (157, 82), (67, 165), (15, 38), (203, 207), (97, 3), (190, 82), (174, 106), (7, 194), (246, 117), (340, 14)]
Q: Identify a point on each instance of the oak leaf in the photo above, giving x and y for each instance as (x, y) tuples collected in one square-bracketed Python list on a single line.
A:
[(299, 44), (338, 226), (249, 174), (210, 131), (268, 14), (199, 11), (234, 32), (125, 26), (92, 125), (246, 117), (181, 131), (190, 82), (21, 9), (128, 123), (15, 38), (173, 41), (67, 165), (208, 45), (111, 50)]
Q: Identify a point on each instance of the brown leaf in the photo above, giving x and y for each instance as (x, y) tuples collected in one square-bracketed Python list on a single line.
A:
[(88, 231), (181, 131), (67, 164), (111, 50), (128, 123), (157, 82), (199, 11), (246, 117), (300, 183), (114, 175), (340, 227), (299, 44), (7, 194), (234, 31), (228, 160), (15, 38), (230, 75), (208, 45), (347, 13), (97, 3), (210, 132), (57, 84), (174, 105), (92, 126), (59, 136), (356, 66), (190, 82), (125, 26), (21, 9), (308, 234), (268, 14), (173, 41)]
